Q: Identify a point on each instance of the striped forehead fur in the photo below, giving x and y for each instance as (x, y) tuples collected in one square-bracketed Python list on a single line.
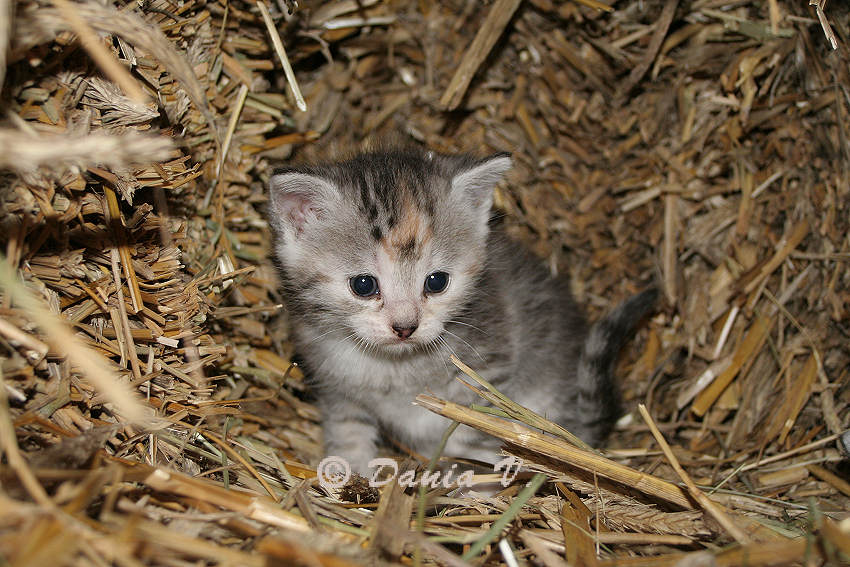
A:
[(396, 192)]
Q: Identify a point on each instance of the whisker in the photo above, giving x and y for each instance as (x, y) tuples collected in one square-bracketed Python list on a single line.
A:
[(446, 344), (472, 348), (433, 350), (326, 333), (455, 321)]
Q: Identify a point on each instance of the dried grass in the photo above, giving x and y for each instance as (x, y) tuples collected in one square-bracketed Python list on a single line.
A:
[(149, 410)]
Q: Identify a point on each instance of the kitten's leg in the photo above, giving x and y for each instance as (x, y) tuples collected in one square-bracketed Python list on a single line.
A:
[(351, 433), (474, 445), (468, 443)]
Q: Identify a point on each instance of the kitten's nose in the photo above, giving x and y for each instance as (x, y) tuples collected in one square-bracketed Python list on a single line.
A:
[(404, 330)]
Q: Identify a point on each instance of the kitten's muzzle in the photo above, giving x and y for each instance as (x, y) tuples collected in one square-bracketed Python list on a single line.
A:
[(404, 330)]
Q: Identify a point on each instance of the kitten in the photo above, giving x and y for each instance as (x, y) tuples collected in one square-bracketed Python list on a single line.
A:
[(390, 264)]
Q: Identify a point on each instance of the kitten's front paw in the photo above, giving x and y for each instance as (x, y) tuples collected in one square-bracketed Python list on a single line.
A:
[(360, 464), (353, 461), (353, 441)]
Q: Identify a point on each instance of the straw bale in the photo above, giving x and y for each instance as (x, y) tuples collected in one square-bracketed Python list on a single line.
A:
[(150, 409)]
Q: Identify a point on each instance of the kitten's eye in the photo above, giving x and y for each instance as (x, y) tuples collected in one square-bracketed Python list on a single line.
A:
[(436, 282), (364, 285)]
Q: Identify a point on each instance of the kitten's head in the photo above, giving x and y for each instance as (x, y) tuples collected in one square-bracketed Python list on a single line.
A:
[(384, 247)]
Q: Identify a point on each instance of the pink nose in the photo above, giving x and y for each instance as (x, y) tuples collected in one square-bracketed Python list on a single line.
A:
[(403, 331)]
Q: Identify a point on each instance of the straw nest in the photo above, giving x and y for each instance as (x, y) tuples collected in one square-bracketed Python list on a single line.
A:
[(150, 413)]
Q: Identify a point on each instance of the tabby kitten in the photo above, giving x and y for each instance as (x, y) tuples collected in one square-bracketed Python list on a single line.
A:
[(390, 264)]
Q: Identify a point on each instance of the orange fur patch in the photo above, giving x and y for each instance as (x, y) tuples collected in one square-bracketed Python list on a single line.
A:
[(408, 235)]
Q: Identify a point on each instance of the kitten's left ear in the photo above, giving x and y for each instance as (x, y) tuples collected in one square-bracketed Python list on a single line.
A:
[(475, 183), (299, 199)]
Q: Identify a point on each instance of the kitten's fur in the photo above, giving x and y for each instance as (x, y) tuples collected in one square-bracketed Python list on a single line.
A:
[(400, 216)]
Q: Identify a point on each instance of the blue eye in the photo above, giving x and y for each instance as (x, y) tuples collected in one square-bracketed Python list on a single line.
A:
[(436, 282), (364, 285)]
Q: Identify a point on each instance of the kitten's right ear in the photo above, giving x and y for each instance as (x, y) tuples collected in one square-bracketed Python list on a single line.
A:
[(298, 200), (474, 184)]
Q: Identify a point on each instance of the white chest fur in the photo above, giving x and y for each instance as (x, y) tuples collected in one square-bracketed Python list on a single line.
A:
[(388, 386)]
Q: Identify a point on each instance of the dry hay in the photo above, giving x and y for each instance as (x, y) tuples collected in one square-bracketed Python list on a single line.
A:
[(150, 414)]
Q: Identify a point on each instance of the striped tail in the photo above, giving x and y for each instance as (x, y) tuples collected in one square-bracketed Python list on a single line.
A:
[(598, 397)]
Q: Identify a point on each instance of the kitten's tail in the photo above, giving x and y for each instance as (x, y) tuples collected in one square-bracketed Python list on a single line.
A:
[(598, 400)]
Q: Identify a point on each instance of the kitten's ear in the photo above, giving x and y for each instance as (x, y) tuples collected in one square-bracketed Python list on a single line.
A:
[(299, 199), (474, 184)]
